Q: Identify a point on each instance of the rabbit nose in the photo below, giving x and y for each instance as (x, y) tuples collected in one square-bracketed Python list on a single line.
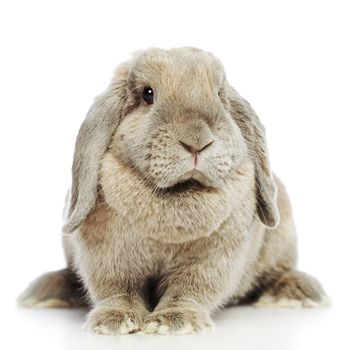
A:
[(194, 150)]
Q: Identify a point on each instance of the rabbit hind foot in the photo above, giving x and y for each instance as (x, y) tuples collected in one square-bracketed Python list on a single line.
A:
[(294, 289), (57, 289)]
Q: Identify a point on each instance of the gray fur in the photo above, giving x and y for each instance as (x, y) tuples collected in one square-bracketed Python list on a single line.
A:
[(161, 236)]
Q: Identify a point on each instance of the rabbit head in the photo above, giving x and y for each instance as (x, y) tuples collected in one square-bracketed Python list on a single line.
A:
[(172, 117)]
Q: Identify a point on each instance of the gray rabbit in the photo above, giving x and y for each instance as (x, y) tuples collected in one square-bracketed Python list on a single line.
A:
[(173, 211)]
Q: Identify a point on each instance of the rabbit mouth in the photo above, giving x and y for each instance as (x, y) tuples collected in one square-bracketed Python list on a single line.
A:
[(191, 181), (190, 185)]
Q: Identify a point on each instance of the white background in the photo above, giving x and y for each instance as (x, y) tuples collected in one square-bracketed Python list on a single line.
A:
[(290, 59)]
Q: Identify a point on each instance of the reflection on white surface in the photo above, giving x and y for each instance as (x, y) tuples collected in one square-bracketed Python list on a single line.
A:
[(236, 328)]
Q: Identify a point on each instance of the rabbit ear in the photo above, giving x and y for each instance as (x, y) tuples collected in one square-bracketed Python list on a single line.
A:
[(93, 139), (254, 134)]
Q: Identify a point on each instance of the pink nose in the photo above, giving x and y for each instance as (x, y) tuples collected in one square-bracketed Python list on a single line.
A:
[(193, 149)]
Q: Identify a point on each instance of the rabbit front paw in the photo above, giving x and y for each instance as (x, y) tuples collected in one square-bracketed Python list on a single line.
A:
[(112, 321), (177, 320)]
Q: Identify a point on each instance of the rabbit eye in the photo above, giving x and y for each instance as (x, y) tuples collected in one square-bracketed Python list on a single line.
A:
[(148, 95)]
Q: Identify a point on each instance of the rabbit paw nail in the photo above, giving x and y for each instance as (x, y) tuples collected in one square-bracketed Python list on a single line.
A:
[(175, 321)]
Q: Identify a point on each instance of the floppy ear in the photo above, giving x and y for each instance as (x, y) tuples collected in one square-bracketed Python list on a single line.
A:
[(92, 141), (254, 134)]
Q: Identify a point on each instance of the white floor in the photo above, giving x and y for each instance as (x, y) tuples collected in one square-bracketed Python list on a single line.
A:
[(236, 328)]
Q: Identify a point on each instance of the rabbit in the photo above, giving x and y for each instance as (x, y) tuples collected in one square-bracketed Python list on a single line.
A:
[(174, 211)]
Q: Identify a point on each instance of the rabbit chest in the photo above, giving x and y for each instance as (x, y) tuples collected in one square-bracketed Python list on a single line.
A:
[(108, 248)]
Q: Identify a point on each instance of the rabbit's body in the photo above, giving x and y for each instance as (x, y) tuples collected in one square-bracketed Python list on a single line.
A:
[(175, 213)]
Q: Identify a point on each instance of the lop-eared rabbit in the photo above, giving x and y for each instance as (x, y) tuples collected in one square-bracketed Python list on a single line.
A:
[(174, 211)]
